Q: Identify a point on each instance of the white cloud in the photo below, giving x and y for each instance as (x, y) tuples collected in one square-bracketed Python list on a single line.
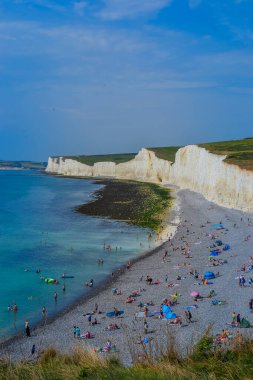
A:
[(119, 9), (79, 7)]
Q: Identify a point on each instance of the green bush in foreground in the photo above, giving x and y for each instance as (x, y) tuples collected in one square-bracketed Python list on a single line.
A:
[(206, 362)]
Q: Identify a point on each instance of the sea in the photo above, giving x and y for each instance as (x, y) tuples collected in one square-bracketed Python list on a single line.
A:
[(40, 231)]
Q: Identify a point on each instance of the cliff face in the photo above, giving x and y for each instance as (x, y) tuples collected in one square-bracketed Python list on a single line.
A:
[(194, 168)]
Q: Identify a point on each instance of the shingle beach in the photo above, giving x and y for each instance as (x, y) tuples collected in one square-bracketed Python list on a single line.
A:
[(189, 249)]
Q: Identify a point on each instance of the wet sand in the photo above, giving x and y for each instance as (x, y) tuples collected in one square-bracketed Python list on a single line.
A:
[(196, 218)]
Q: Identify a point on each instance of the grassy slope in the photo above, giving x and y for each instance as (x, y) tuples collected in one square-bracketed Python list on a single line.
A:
[(239, 152), (166, 153), (91, 160), (203, 364)]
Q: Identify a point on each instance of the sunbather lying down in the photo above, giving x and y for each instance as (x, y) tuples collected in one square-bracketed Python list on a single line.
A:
[(87, 335), (108, 347), (130, 299), (176, 321), (112, 326)]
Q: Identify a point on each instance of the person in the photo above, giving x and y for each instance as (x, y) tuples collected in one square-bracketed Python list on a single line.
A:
[(78, 332), (96, 308), (44, 311), (55, 297), (89, 319), (33, 349), (74, 332), (27, 329), (87, 335), (63, 288), (233, 317), (145, 327), (251, 304), (95, 322), (145, 311), (108, 345), (116, 312), (15, 308), (91, 283), (86, 284), (238, 319)]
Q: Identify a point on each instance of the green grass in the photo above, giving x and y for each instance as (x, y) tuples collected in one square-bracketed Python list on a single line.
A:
[(166, 153), (233, 363), (239, 152), (91, 160)]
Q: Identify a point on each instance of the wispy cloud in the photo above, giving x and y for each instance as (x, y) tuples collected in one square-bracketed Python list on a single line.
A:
[(120, 9), (48, 4), (79, 7)]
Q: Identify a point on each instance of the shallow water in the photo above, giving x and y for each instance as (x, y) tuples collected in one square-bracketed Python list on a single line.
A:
[(39, 229)]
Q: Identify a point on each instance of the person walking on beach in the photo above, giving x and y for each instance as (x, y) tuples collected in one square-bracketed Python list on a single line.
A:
[(89, 319), (33, 349), (116, 312), (27, 329), (233, 317), (44, 312), (188, 315), (238, 319), (145, 327)]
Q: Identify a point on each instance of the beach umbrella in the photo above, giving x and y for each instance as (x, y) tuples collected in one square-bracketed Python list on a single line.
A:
[(194, 294), (166, 309), (209, 275), (170, 315)]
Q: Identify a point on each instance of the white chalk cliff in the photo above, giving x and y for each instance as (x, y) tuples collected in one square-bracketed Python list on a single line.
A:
[(195, 168)]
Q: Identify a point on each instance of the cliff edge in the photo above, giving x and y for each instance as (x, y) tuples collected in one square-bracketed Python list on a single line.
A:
[(194, 168)]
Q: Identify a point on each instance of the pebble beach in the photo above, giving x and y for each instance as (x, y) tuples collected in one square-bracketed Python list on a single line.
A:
[(195, 225)]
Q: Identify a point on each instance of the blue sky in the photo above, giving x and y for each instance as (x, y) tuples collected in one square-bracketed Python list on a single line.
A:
[(99, 76)]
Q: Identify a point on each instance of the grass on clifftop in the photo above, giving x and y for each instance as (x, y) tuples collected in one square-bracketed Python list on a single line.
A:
[(204, 363), (138, 203), (166, 153), (91, 160), (239, 152)]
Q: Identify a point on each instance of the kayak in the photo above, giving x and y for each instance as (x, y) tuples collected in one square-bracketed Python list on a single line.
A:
[(51, 281)]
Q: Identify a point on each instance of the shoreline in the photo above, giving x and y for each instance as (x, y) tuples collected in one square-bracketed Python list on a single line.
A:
[(171, 225), (198, 221)]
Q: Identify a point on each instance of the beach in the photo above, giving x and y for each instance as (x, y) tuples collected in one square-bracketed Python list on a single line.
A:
[(196, 225)]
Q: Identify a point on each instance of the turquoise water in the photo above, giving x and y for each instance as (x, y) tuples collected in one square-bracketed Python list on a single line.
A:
[(39, 229)]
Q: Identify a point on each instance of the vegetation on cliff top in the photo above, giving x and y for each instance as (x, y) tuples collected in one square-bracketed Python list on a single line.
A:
[(204, 363), (138, 203), (91, 160), (239, 152), (166, 153)]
